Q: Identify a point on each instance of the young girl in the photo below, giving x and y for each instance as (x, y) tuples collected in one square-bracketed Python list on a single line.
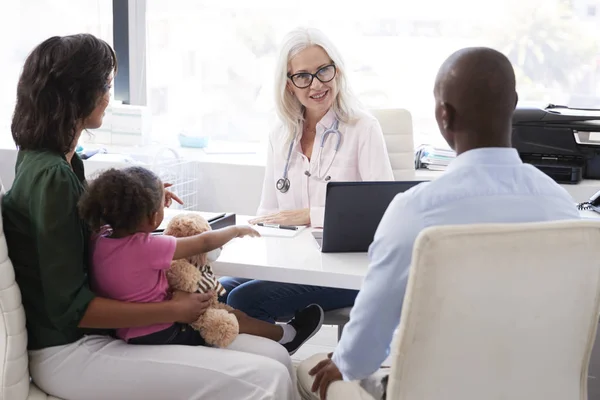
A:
[(128, 263)]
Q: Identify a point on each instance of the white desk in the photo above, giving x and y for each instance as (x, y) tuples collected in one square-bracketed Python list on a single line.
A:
[(589, 214), (292, 260), (296, 260)]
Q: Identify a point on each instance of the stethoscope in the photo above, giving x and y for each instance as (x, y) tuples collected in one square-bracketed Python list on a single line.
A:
[(283, 184)]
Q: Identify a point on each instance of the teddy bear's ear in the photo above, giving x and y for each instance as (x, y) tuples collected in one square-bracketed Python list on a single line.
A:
[(176, 227), (188, 224), (200, 223)]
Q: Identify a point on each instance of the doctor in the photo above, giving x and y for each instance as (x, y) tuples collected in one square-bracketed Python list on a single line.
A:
[(324, 135)]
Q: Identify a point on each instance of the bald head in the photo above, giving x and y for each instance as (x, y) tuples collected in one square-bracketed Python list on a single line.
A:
[(475, 98)]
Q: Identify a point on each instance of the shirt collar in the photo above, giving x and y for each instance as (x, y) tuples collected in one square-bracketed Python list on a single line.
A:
[(328, 119), (486, 156)]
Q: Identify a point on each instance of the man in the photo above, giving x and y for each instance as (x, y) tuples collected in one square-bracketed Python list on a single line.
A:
[(475, 98)]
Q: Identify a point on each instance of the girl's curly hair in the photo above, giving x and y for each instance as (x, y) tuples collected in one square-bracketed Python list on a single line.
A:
[(122, 199)]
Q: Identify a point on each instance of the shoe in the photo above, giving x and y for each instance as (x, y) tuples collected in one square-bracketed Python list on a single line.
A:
[(307, 323)]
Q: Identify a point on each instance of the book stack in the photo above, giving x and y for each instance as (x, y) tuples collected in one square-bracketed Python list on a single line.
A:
[(433, 158)]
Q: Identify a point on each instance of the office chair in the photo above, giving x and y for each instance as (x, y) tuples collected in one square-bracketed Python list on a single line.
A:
[(496, 311)]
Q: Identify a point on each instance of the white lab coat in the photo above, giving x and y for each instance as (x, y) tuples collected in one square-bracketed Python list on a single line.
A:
[(362, 156)]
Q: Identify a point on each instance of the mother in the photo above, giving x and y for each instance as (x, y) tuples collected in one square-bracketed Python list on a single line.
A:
[(64, 89), (324, 135)]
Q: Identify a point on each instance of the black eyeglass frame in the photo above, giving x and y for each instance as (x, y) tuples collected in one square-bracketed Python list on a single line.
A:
[(313, 76)]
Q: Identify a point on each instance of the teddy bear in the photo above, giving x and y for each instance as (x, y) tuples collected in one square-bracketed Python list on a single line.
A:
[(218, 326)]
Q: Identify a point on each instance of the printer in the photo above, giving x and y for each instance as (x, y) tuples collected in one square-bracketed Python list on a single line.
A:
[(560, 141)]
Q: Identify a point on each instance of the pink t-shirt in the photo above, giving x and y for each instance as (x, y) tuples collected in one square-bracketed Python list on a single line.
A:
[(133, 269)]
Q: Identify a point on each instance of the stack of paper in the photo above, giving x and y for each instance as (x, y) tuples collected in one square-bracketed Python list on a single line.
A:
[(434, 158)]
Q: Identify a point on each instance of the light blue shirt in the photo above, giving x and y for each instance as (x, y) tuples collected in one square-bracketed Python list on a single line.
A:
[(489, 185)]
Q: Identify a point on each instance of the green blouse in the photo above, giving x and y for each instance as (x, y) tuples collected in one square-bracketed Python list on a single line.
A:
[(48, 246)]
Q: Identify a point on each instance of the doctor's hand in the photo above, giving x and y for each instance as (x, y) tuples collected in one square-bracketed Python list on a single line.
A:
[(170, 196), (289, 217), (325, 373)]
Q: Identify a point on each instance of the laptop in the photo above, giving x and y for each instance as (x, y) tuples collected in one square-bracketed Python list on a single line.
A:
[(353, 211)]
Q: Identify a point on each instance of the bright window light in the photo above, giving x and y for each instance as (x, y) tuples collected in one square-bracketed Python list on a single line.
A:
[(210, 63), (26, 23)]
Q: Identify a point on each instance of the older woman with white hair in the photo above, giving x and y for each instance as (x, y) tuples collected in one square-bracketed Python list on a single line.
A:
[(323, 135)]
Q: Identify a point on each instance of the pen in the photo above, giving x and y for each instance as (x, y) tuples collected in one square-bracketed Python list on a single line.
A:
[(288, 227)]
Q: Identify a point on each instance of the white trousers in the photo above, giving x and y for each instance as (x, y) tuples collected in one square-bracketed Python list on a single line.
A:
[(100, 368), (367, 389)]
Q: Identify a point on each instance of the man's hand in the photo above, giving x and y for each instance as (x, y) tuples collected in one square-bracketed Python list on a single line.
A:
[(325, 373), (288, 217), (170, 196), (188, 307)]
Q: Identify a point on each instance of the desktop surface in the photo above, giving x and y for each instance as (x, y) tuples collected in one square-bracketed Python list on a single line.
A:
[(295, 259)]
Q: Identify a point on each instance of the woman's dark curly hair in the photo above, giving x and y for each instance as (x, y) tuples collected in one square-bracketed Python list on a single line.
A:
[(122, 199), (62, 81)]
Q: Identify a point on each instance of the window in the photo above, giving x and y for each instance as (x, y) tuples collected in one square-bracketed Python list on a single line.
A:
[(392, 49), (26, 23)]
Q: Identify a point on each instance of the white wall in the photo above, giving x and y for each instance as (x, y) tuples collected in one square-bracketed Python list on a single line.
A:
[(221, 187), (230, 188), (7, 166), (226, 187)]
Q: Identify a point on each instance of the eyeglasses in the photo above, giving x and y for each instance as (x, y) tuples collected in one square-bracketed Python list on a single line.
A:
[(303, 80)]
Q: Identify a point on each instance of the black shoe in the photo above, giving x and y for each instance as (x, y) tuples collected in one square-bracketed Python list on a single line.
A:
[(307, 323)]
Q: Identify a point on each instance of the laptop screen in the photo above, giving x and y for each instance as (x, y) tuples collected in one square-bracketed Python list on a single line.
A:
[(353, 211)]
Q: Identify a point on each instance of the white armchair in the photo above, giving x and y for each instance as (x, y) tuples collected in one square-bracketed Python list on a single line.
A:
[(497, 311), (397, 128), (14, 373)]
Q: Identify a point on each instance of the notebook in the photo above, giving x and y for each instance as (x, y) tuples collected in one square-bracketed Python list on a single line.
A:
[(209, 217), (277, 232)]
